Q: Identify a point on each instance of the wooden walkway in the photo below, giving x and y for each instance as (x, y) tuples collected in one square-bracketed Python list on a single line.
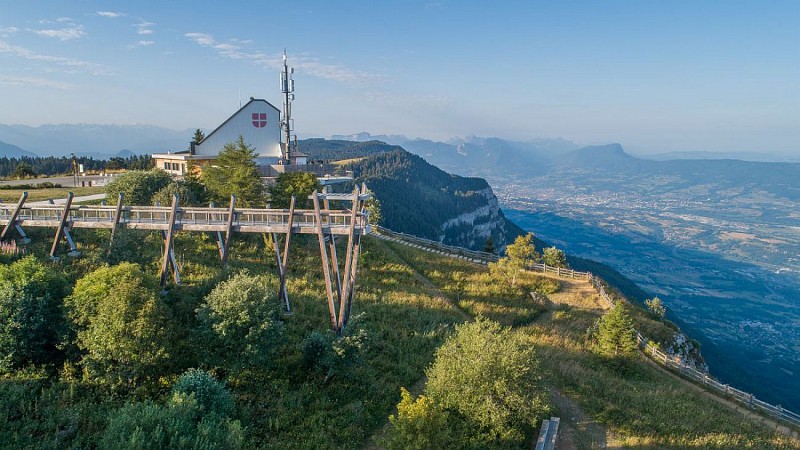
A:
[(322, 221), (245, 220)]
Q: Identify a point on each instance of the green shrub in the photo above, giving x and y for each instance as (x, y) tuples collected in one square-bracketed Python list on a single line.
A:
[(241, 323), (151, 426), (324, 353), (210, 395), (138, 186), (122, 325), (30, 317), (489, 375), (189, 190), (420, 424)]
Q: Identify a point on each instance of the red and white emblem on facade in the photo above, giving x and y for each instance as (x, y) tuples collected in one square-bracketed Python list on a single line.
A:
[(259, 120)]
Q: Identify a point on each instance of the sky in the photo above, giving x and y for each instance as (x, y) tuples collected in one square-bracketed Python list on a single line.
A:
[(656, 76)]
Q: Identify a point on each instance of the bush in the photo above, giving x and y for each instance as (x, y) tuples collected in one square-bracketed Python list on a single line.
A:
[(656, 307), (30, 317), (190, 193), (488, 374), (420, 424), (151, 426), (122, 325), (138, 186), (240, 321), (209, 394), (554, 257), (328, 354)]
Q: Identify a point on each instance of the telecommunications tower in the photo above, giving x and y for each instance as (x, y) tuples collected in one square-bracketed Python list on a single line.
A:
[(287, 124)]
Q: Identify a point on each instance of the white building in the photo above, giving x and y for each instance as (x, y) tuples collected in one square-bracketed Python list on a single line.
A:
[(257, 122)]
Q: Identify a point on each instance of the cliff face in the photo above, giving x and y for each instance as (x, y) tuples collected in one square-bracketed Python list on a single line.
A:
[(418, 198), (474, 227)]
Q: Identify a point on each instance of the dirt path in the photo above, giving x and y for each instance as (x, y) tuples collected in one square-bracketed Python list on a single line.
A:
[(576, 431), (432, 288)]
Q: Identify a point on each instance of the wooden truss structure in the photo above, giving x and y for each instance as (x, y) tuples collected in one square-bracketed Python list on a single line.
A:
[(322, 221)]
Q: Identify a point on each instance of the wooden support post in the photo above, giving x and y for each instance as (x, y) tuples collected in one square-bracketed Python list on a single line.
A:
[(117, 216), (348, 262), (283, 263), (219, 233), (325, 266), (351, 282), (12, 219), (168, 257), (61, 225), (226, 245), (334, 258)]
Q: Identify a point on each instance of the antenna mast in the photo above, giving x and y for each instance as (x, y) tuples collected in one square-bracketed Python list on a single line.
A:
[(287, 126)]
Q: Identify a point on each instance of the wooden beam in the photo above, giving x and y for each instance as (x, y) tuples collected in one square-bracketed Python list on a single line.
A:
[(325, 267), (332, 244), (12, 220), (352, 280), (219, 233), (282, 292), (168, 241), (348, 258), (117, 216), (61, 223), (228, 230), (351, 274)]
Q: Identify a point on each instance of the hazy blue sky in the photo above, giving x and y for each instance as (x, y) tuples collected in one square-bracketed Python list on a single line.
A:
[(653, 75)]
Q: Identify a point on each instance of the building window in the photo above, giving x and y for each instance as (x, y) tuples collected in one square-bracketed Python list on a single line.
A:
[(166, 165)]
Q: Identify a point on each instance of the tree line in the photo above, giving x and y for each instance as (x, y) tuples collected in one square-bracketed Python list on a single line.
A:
[(30, 167)]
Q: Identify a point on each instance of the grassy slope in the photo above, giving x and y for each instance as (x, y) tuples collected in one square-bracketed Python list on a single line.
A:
[(644, 408), (34, 195), (406, 317)]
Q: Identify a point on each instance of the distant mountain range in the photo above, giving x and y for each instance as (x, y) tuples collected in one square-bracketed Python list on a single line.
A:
[(98, 141), (12, 151)]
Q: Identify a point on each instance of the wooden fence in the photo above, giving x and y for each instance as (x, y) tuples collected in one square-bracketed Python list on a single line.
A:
[(680, 366), (477, 257)]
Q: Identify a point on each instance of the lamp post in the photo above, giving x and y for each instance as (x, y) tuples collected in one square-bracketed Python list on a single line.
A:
[(74, 170)]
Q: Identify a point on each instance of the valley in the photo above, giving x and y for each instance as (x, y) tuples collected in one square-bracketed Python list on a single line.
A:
[(726, 267)]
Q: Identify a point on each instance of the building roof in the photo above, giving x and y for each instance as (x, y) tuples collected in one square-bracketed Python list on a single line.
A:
[(237, 112)]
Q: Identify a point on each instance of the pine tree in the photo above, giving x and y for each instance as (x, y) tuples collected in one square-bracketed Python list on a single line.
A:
[(616, 336), (235, 173)]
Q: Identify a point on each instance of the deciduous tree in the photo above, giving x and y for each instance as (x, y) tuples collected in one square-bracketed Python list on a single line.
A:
[(554, 257), (656, 307), (488, 374), (240, 322), (138, 186), (30, 316), (122, 325)]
